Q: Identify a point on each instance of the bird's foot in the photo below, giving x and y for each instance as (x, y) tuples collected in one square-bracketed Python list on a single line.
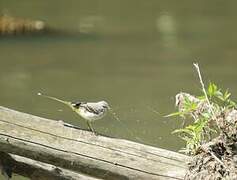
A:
[(95, 133)]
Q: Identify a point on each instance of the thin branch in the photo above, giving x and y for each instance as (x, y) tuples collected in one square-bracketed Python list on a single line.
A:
[(210, 107), (203, 89), (218, 160)]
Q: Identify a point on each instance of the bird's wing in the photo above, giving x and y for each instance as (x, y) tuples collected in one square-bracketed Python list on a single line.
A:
[(93, 108)]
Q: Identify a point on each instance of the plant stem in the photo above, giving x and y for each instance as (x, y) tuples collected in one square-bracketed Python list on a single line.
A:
[(203, 89), (210, 107)]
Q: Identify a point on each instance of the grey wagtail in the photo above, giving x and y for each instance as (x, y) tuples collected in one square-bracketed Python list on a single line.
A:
[(90, 111)]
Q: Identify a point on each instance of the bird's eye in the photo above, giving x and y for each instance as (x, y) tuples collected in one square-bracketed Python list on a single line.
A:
[(76, 105)]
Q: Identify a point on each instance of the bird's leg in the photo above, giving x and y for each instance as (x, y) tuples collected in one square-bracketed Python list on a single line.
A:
[(90, 127)]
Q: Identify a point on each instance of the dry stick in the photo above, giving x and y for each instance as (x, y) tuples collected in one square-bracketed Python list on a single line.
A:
[(217, 159), (203, 89), (210, 107)]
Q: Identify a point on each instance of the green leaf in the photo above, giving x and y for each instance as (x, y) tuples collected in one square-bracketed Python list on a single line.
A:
[(201, 98), (189, 105), (212, 89), (185, 130), (174, 114), (226, 95)]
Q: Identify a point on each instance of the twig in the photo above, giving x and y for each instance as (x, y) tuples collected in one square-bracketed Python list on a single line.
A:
[(210, 107), (218, 160), (203, 89)]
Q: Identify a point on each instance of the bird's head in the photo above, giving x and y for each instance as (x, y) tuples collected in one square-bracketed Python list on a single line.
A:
[(76, 104), (105, 104)]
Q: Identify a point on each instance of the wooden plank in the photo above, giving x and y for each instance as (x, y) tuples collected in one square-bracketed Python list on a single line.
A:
[(37, 170), (103, 157)]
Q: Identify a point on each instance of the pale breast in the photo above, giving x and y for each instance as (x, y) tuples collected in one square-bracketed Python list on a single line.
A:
[(90, 115)]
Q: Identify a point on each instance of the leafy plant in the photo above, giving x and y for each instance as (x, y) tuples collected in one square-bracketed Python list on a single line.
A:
[(218, 97), (202, 111), (193, 135)]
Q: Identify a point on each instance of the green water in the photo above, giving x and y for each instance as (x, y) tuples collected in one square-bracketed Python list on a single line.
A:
[(135, 54)]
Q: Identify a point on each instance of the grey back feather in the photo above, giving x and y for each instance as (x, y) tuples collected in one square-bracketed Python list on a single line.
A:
[(97, 107)]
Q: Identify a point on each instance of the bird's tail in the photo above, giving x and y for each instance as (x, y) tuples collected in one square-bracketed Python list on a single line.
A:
[(56, 99)]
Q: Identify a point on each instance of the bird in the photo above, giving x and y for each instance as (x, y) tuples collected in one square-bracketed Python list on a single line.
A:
[(89, 111)]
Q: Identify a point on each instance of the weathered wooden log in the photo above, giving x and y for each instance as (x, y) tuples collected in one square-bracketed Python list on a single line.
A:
[(37, 170), (10, 25), (81, 151)]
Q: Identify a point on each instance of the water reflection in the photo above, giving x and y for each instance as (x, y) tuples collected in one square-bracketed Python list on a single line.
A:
[(91, 24), (166, 26)]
